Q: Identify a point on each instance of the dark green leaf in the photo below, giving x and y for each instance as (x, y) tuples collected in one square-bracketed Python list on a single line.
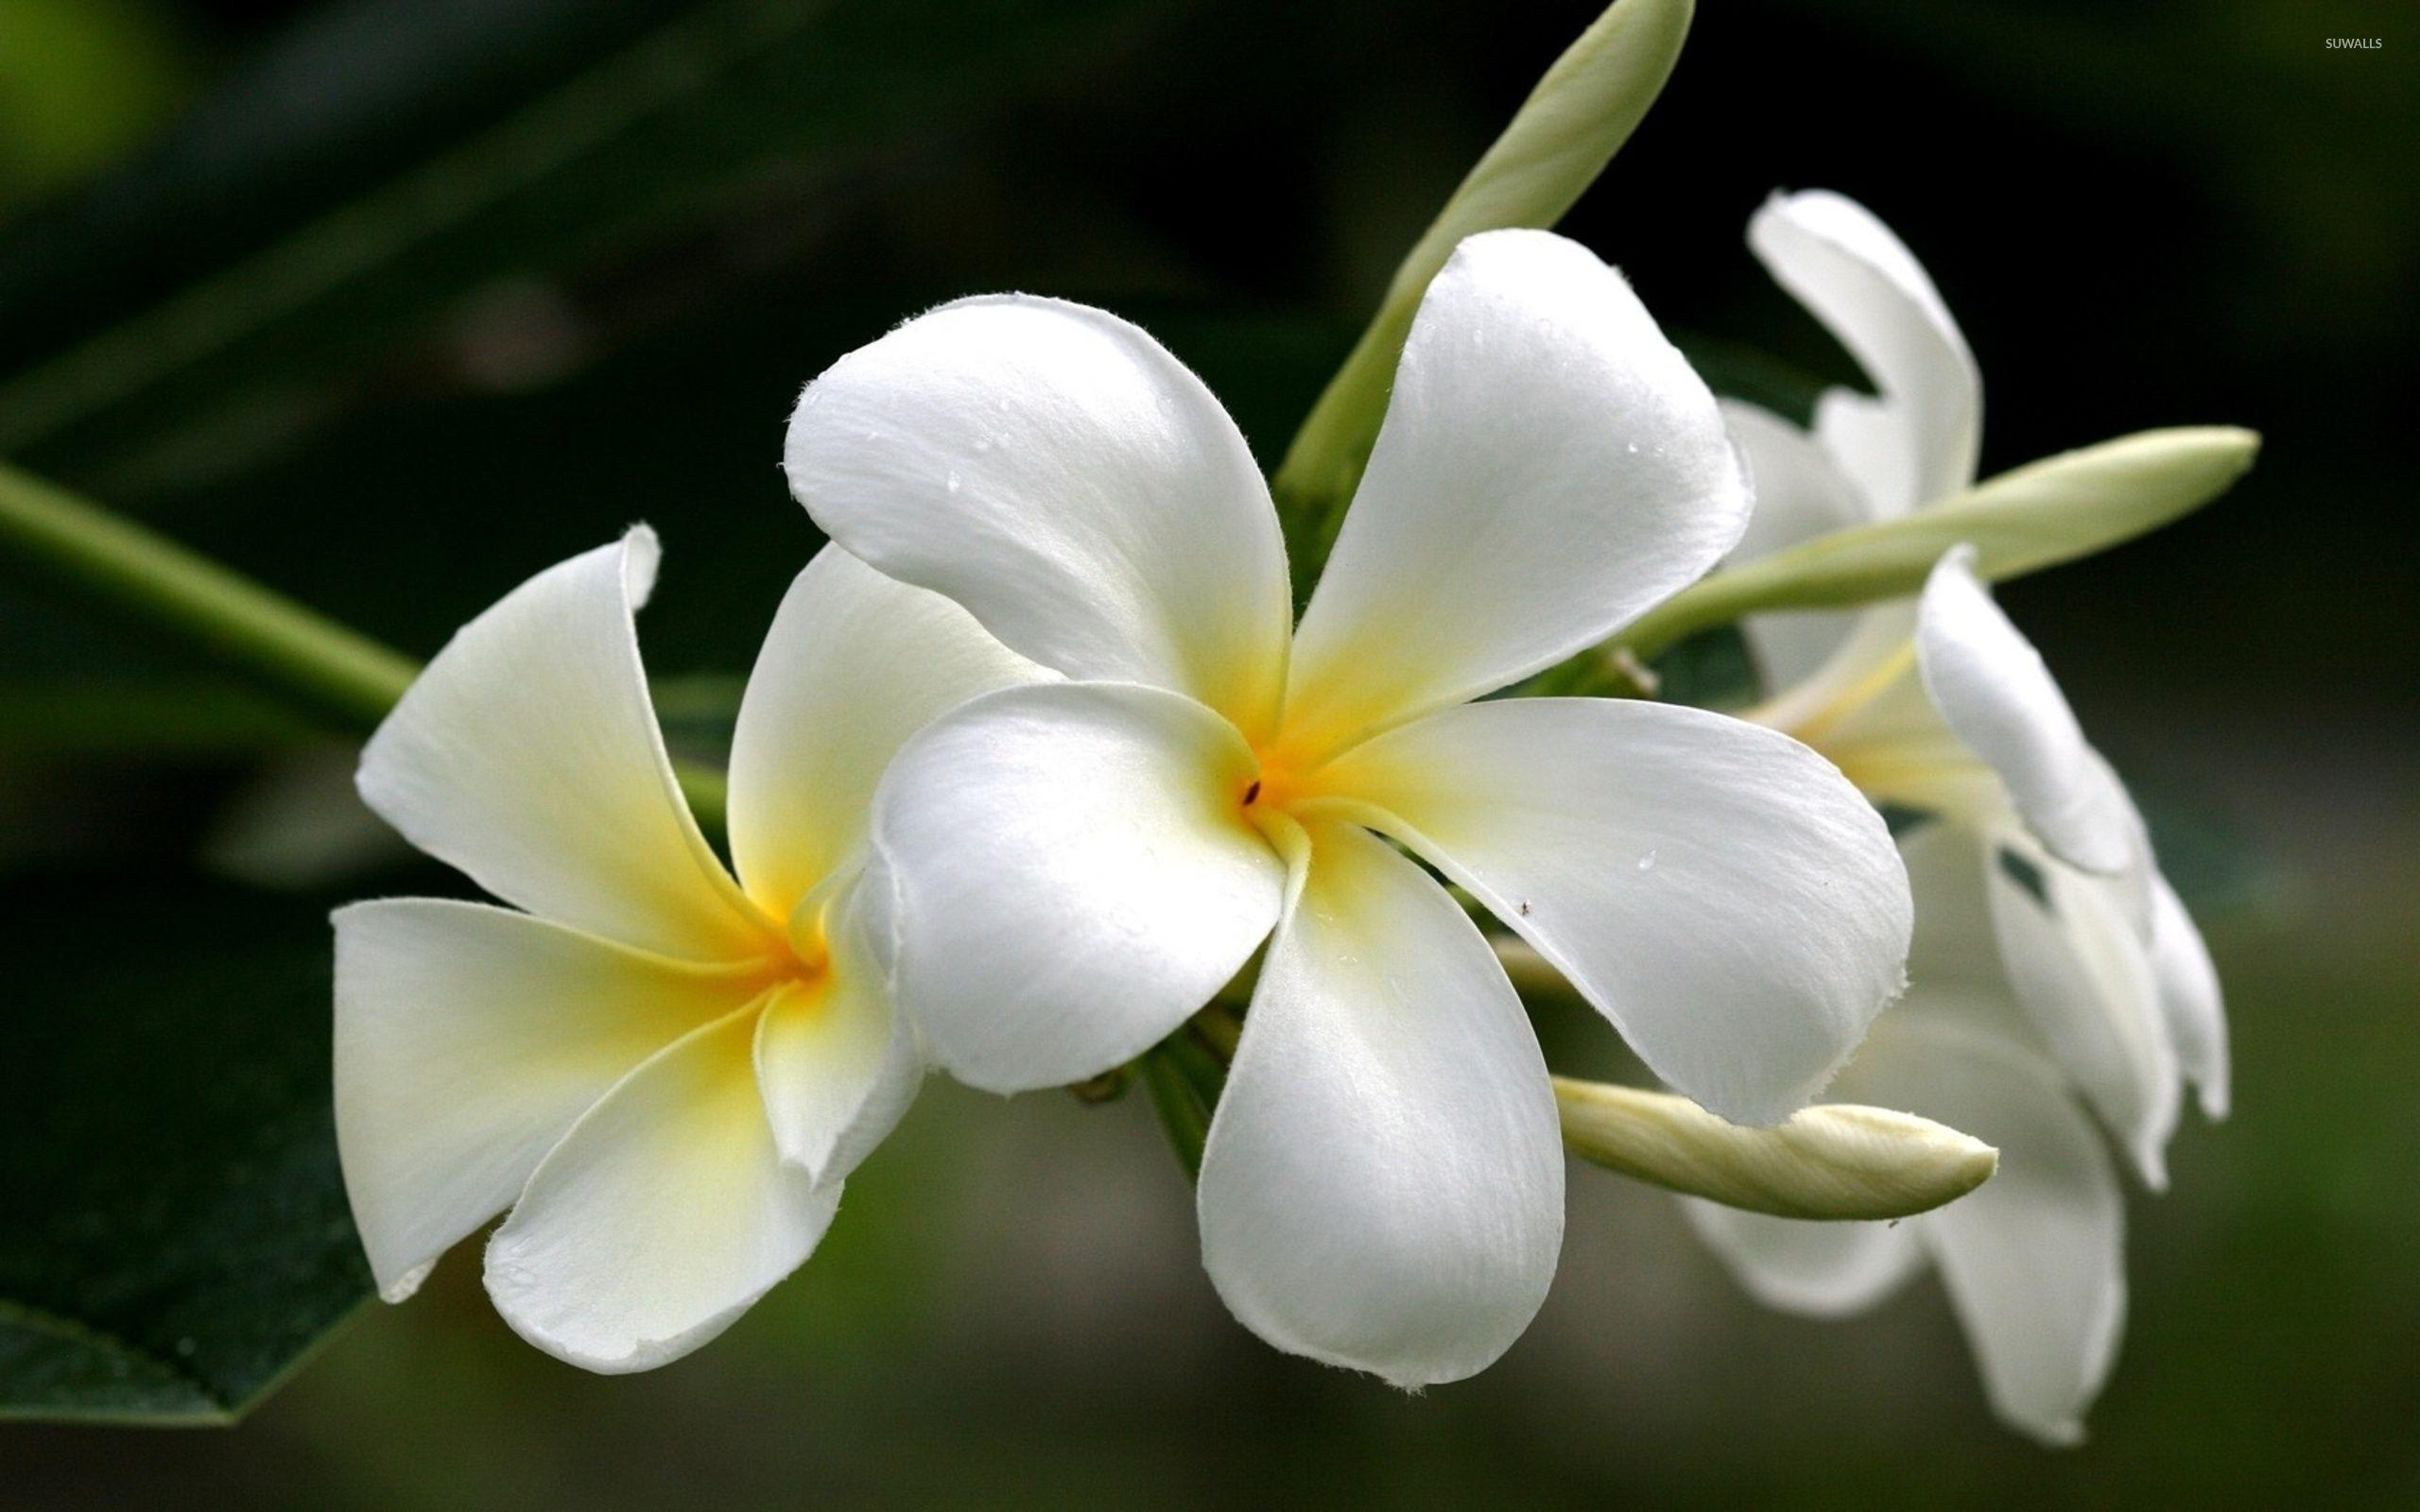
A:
[(178, 1237)]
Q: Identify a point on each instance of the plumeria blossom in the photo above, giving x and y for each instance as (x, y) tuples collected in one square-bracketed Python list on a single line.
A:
[(1076, 867), (2051, 958), (663, 1068), (2033, 1259)]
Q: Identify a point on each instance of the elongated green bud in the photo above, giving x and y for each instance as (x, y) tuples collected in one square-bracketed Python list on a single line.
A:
[(2036, 516), (1562, 136), (1835, 1160)]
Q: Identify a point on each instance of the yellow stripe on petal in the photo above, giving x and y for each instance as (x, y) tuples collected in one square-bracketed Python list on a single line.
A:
[(663, 1215), (1382, 1188), (468, 1038), (855, 665), (835, 1064), (528, 755), (1551, 466)]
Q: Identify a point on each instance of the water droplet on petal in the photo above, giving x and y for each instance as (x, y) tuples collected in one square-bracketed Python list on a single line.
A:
[(953, 484), (1647, 862), (1632, 448)]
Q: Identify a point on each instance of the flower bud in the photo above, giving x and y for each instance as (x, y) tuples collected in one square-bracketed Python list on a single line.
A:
[(1835, 1160), (1555, 145), (2046, 512)]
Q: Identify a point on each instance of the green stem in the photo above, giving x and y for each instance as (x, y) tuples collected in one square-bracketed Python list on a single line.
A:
[(339, 676), (1219, 1027), (1177, 1102), (1663, 628)]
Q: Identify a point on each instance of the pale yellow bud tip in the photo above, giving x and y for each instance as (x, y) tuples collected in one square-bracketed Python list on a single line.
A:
[(1835, 1160)]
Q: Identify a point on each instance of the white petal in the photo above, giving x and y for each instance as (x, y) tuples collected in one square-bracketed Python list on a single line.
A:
[(467, 1041), (2034, 1258), (1799, 494), (1898, 751), (1956, 949), (853, 665), (1857, 687), (1071, 874), (1819, 1269), (1917, 443), (2190, 998), (2132, 884), (528, 755), (1718, 890), (1550, 467), (1991, 689), (662, 1215), (2084, 977), (1383, 1183), (836, 1066), (1054, 470)]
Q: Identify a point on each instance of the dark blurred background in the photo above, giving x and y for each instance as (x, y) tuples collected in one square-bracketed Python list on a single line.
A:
[(391, 302)]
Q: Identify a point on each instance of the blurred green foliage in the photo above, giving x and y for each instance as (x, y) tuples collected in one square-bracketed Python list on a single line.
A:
[(81, 83), (181, 1238), (415, 296)]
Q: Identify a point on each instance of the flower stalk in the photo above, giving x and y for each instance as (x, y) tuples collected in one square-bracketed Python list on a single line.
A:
[(328, 670), (1177, 1099), (337, 673)]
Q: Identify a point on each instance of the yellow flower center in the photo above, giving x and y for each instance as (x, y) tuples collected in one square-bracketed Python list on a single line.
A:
[(1281, 781), (797, 955), (1287, 781)]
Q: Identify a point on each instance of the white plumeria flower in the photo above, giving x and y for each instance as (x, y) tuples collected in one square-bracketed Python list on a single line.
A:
[(1077, 866), (663, 1071), (2032, 1259), (2052, 957)]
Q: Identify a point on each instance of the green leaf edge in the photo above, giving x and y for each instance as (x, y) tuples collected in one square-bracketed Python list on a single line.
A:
[(212, 1410)]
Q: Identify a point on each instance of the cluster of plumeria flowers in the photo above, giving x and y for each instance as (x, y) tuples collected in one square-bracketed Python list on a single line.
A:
[(1038, 761), (2050, 958)]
